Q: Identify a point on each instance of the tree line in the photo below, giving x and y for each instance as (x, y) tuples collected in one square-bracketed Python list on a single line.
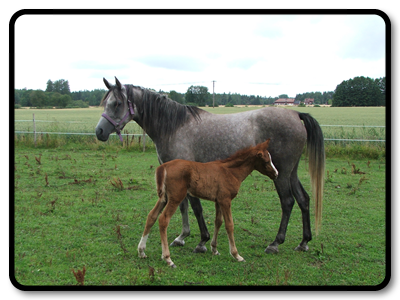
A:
[(57, 94), (359, 91)]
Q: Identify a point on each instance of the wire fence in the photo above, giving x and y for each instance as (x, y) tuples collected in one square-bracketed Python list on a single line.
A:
[(328, 134)]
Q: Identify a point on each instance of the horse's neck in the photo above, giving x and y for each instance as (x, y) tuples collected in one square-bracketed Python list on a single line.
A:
[(240, 169)]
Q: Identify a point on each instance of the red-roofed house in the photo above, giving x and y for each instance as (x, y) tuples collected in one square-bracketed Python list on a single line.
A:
[(284, 101)]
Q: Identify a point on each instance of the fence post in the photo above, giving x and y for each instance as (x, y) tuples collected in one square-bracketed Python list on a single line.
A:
[(34, 130)]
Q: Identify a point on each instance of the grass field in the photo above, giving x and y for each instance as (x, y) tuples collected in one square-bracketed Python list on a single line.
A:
[(85, 120), (70, 213)]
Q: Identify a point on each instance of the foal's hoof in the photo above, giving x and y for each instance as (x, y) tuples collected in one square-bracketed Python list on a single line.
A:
[(177, 243), (301, 248), (200, 249), (271, 250)]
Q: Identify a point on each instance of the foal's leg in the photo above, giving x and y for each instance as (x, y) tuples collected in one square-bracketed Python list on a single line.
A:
[(163, 222), (151, 219), (218, 223), (226, 211)]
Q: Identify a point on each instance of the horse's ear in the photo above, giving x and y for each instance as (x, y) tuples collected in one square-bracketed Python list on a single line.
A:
[(106, 83), (267, 143), (118, 83)]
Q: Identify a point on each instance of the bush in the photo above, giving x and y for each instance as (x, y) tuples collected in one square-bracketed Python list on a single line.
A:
[(77, 104), (229, 105), (16, 106)]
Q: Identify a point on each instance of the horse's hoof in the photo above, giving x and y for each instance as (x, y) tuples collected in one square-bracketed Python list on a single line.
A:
[(177, 243), (271, 250), (301, 248), (241, 259), (200, 249)]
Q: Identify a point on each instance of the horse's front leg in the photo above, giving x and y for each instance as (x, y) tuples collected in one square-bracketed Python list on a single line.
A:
[(179, 241), (198, 212)]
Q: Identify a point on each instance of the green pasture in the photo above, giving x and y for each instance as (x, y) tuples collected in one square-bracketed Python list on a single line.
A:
[(85, 120), (79, 208), (80, 203)]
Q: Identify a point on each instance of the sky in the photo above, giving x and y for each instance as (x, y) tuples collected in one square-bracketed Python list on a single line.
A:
[(266, 55)]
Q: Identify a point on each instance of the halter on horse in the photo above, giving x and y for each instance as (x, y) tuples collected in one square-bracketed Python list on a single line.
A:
[(128, 114)]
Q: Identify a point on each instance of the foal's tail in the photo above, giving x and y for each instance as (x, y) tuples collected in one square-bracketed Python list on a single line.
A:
[(316, 158), (161, 173)]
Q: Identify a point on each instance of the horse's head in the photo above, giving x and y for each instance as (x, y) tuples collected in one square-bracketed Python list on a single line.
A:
[(118, 111), (264, 163)]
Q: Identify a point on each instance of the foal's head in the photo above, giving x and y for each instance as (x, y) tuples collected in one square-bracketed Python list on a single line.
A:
[(264, 163)]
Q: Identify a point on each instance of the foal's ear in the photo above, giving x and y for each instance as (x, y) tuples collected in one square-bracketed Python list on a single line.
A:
[(118, 83), (106, 83), (266, 143)]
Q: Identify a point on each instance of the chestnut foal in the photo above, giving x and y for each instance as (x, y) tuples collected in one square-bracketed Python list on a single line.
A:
[(217, 181)]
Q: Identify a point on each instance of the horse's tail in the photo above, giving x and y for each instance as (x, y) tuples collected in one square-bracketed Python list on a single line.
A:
[(161, 174), (316, 167)]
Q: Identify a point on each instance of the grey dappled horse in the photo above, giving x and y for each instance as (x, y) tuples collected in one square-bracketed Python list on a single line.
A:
[(188, 132)]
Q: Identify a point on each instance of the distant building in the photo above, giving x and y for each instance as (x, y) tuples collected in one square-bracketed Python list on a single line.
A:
[(309, 101), (284, 101), (293, 101)]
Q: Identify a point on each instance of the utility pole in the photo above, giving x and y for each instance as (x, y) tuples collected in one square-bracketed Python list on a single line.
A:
[(213, 93)]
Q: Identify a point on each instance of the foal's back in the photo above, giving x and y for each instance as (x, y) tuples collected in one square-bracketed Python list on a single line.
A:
[(208, 181)]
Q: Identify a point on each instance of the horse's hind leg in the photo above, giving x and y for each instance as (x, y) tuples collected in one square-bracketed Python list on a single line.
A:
[(151, 219), (163, 222), (282, 185), (303, 200)]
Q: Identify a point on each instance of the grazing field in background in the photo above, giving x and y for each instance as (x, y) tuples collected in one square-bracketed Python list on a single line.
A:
[(80, 206), (85, 120)]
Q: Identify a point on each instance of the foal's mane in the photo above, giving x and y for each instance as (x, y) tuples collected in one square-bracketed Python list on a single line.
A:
[(240, 155), (157, 111)]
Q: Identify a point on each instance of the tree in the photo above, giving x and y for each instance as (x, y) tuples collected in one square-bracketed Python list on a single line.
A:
[(359, 91), (197, 95), (38, 98), (60, 86), (381, 83), (50, 86), (176, 97)]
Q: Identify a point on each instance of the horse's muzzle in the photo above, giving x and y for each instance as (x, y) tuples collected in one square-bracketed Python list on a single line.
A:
[(100, 134)]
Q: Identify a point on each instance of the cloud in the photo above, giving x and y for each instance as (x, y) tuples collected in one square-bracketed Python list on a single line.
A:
[(366, 41), (173, 62), (95, 65), (243, 63)]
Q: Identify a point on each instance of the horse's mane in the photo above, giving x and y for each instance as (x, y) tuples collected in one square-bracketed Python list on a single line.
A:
[(161, 113), (157, 111)]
